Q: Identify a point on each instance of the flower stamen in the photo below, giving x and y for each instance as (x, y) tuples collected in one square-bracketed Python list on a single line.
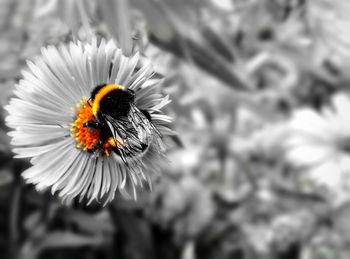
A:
[(88, 139)]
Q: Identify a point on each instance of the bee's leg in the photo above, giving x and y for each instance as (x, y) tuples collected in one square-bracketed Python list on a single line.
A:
[(121, 153), (147, 114), (97, 146), (91, 124), (97, 149), (143, 147), (131, 92)]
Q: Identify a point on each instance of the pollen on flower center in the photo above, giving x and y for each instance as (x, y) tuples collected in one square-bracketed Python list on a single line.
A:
[(88, 139)]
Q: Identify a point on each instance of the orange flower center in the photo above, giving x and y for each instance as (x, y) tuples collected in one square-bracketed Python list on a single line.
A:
[(88, 139)]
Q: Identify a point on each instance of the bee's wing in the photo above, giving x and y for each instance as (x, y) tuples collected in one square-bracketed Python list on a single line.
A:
[(119, 134), (134, 132), (143, 126)]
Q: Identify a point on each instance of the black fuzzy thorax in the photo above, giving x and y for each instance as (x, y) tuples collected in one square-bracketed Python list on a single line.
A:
[(116, 103)]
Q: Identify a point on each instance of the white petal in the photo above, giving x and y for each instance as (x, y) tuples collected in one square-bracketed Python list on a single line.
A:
[(45, 162), (308, 121), (341, 103), (34, 151), (74, 177), (308, 155), (97, 180), (327, 174)]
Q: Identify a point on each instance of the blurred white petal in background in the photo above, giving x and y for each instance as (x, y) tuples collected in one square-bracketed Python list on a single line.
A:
[(319, 143)]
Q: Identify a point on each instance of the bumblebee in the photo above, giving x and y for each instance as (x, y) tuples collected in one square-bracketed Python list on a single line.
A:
[(128, 129)]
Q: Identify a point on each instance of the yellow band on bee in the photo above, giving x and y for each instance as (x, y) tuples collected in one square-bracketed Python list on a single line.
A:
[(102, 93)]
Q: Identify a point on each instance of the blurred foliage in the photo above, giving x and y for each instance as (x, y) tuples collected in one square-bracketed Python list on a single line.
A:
[(237, 72)]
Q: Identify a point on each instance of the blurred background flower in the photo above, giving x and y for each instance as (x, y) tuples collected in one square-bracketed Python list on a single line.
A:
[(319, 144)]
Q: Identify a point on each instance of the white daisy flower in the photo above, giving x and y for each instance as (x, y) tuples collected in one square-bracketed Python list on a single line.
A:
[(82, 140), (320, 144)]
